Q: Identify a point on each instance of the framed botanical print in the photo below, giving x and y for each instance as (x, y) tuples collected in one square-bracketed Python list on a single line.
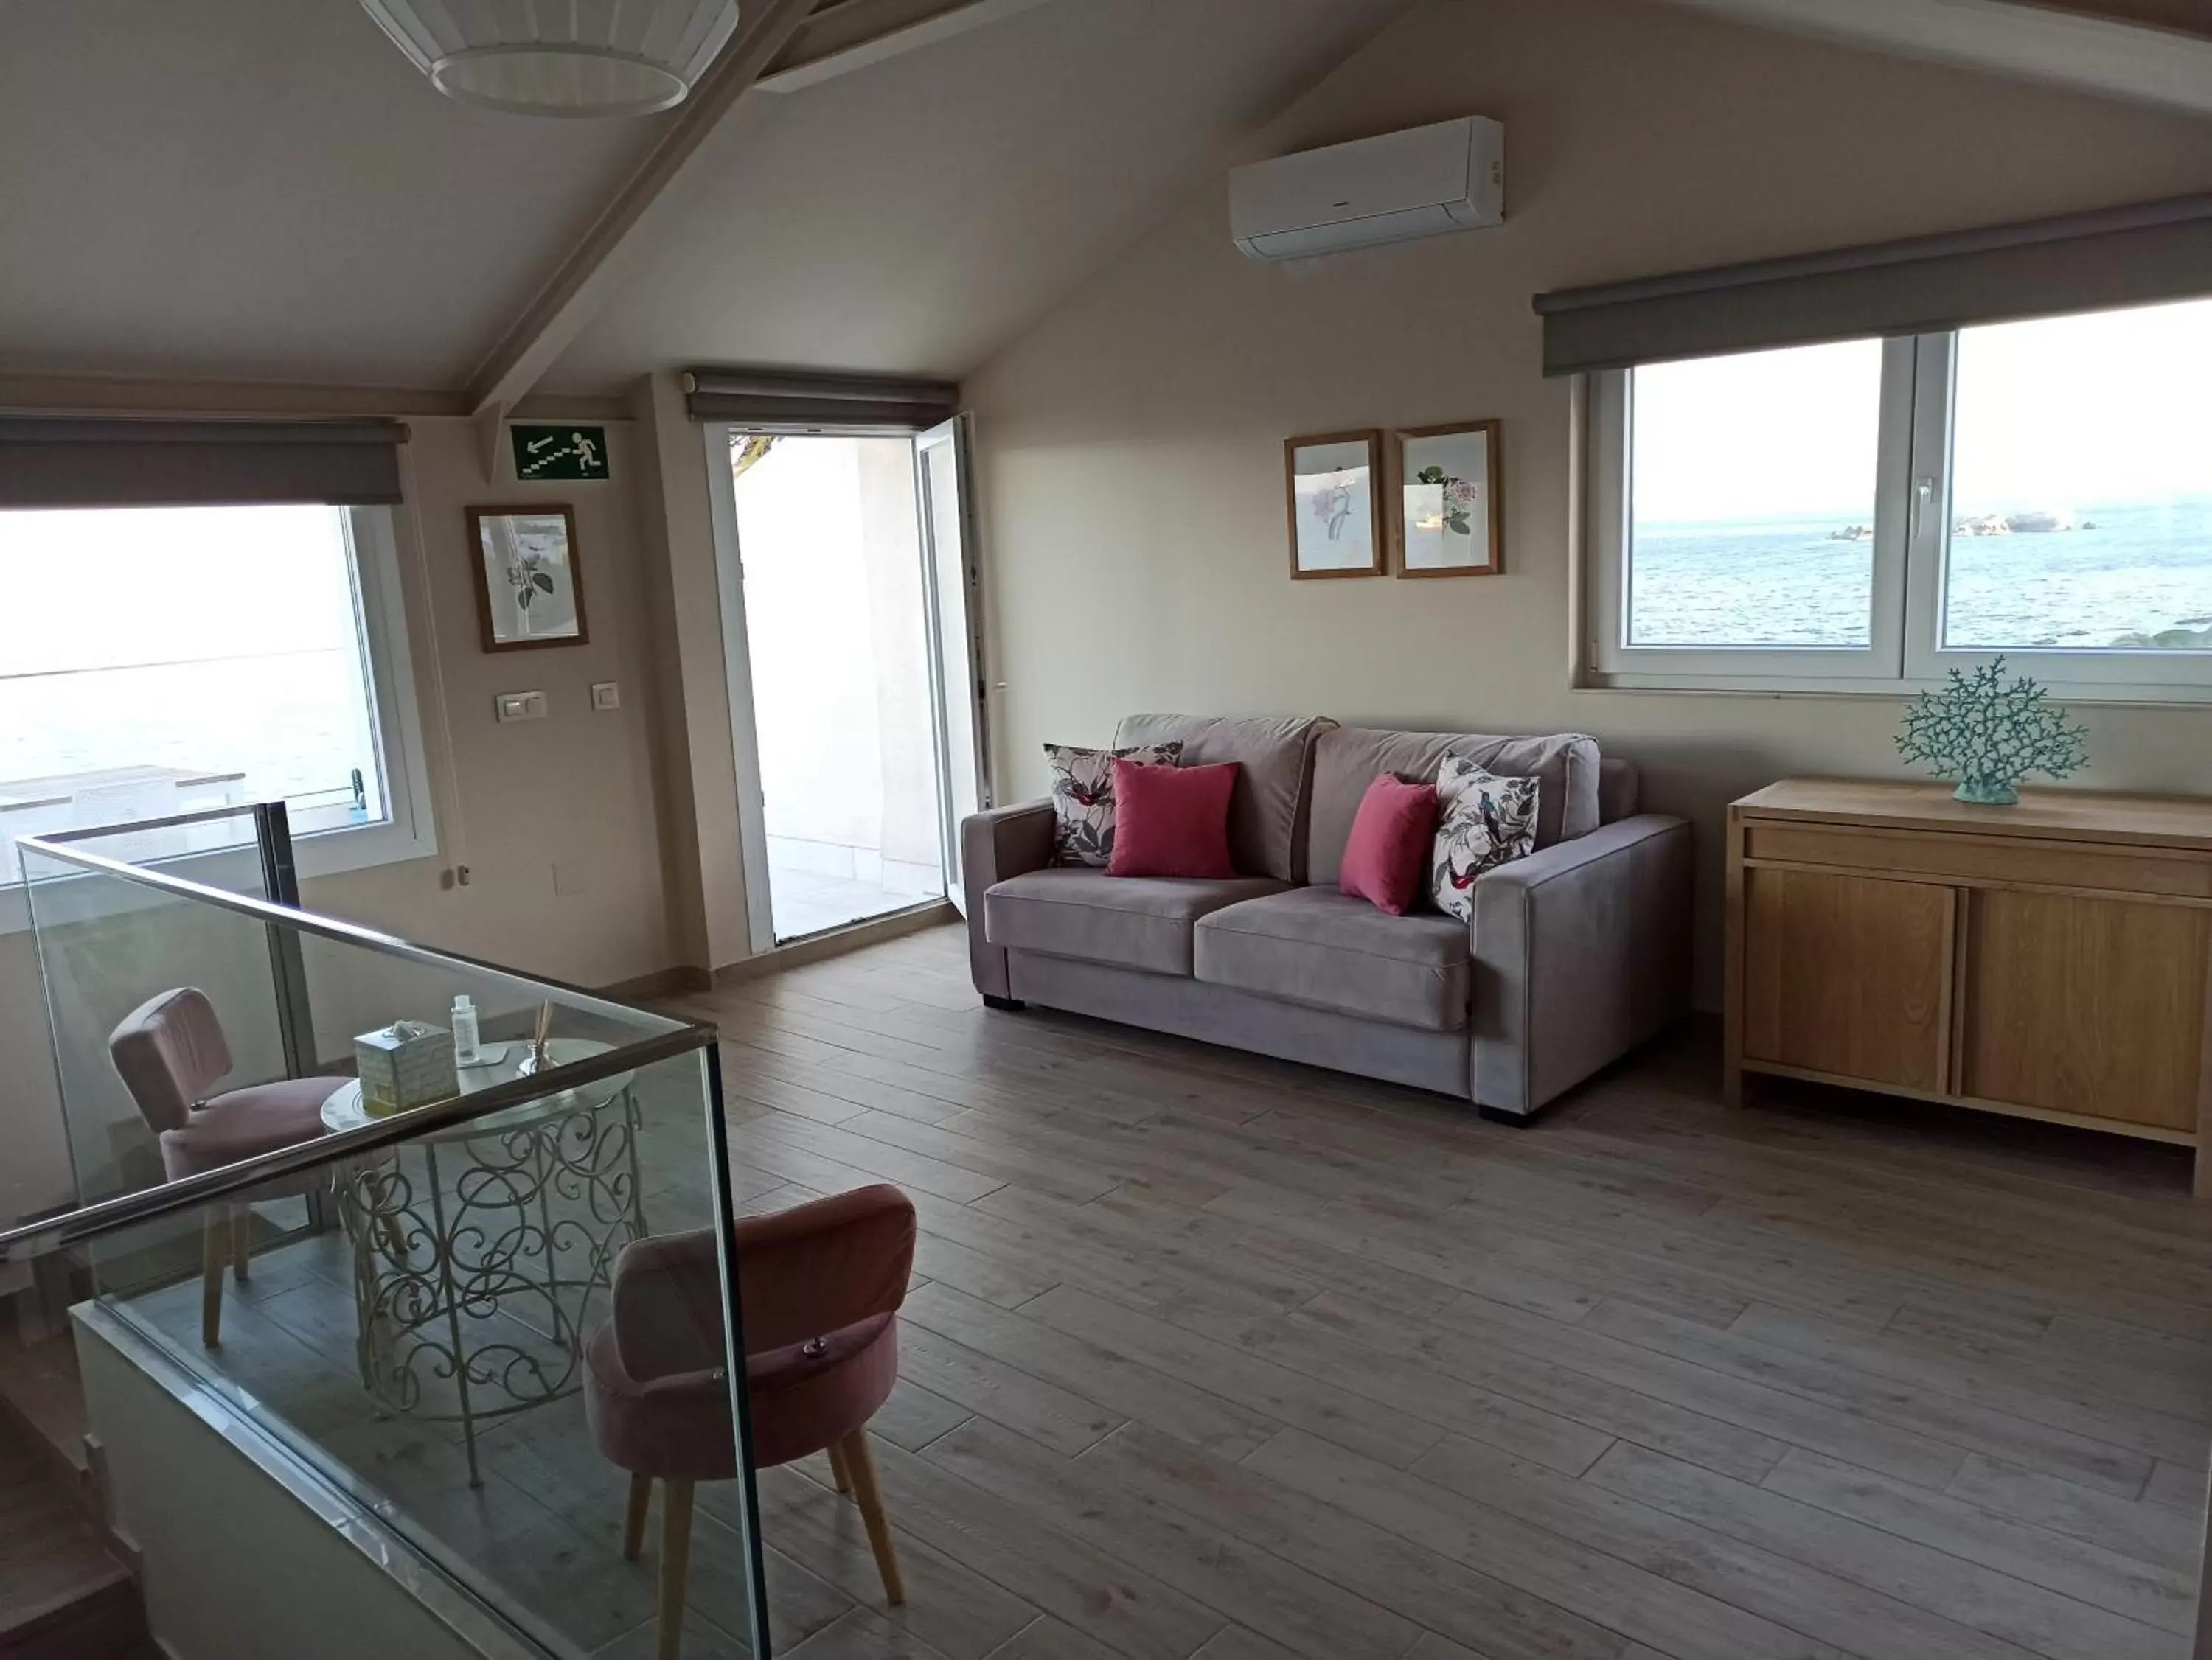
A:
[(1333, 491), (1447, 518), (529, 593)]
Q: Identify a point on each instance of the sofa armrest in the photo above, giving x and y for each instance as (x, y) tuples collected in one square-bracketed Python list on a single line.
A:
[(1006, 841), (1582, 952)]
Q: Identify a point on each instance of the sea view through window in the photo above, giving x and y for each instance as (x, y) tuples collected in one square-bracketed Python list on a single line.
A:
[(162, 660), (2079, 480)]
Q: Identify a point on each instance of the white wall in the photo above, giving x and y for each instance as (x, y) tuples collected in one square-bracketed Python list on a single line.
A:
[(703, 841), (1130, 447), (574, 792)]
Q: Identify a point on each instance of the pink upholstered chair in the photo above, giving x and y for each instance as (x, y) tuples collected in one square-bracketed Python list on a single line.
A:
[(819, 1288), (170, 1052)]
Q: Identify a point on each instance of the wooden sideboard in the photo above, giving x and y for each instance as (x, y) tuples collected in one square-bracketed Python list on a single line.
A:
[(2051, 960)]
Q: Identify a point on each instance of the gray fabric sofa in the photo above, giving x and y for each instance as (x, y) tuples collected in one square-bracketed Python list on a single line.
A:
[(1578, 952)]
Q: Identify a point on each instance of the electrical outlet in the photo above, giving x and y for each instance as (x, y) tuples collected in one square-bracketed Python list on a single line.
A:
[(569, 879), (606, 694)]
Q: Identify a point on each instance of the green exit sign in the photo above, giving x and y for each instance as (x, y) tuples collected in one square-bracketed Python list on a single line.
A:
[(560, 452)]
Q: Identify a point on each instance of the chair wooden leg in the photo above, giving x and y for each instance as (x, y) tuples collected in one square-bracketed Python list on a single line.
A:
[(837, 1473), (640, 1502), (860, 1465), (241, 1242), (675, 1566), (215, 1257)]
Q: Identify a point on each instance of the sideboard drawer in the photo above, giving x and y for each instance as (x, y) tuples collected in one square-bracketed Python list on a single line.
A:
[(1996, 860)]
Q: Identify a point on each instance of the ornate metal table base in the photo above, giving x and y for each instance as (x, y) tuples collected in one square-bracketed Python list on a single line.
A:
[(478, 1257)]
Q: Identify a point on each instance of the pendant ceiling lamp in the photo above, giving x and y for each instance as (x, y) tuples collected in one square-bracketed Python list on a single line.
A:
[(560, 57)]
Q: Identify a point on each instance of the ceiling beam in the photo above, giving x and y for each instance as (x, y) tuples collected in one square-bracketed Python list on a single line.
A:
[(843, 35), (135, 395), (784, 45), (2182, 16), (2080, 44), (610, 249)]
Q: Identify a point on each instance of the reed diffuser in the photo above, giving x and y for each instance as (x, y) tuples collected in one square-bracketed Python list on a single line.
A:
[(539, 1060)]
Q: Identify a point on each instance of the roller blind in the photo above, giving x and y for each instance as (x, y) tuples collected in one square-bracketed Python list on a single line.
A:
[(780, 400), (106, 461), (2128, 256)]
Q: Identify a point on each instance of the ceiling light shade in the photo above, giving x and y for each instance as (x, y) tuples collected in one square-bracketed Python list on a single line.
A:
[(560, 57)]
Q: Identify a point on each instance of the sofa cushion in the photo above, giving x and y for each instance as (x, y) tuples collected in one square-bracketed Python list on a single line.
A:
[(1083, 798), (1174, 821), (1267, 814), (1487, 822), (1316, 946), (1388, 856), (1137, 921), (1565, 768), (1617, 790)]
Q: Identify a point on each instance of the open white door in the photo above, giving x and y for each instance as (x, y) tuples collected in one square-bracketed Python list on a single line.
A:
[(956, 602)]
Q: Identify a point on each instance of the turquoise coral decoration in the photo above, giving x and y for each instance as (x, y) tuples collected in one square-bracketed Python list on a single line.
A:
[(1989, 734)]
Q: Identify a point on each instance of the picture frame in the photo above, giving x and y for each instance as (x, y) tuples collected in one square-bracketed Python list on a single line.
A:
[(1446, 499), (529, 582), (1333, 501)]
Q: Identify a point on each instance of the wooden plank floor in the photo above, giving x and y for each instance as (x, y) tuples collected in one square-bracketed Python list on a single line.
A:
[(1210, 1355)]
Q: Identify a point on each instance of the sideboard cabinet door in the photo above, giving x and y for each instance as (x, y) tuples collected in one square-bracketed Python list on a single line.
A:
[(2085, 1004), (1848, 975)]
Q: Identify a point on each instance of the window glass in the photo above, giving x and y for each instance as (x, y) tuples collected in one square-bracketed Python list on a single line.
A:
[(155, 661), (2081, 484), (1751, 491)]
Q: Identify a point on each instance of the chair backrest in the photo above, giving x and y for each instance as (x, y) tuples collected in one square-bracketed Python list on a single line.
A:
[(821, 1267), (802, 1274), (170, 1052)]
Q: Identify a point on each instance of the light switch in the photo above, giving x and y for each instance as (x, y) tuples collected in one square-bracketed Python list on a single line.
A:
[(606, 694), (520, 706)]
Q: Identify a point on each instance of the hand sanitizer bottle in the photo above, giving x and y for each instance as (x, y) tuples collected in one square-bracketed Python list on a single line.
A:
[(465, 1032)]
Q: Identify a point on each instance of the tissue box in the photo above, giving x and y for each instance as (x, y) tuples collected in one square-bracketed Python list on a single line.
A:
[(406, 1064)]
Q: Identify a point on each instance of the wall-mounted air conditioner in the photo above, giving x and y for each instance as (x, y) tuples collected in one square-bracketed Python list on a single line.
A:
[(1422, 182)]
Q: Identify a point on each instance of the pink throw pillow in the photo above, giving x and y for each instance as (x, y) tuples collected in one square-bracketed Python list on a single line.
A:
[(1389, 851), (1172, 820)]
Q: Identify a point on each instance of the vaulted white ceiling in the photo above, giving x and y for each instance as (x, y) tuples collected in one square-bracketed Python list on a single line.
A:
[(266, 190), (913, 214)]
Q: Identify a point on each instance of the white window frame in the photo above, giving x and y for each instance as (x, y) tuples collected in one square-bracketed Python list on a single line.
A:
[(408, 829), (1912, 517)]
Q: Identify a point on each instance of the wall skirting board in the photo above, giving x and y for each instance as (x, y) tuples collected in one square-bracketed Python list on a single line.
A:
[(661, 983), (683, 980), (820, 947)]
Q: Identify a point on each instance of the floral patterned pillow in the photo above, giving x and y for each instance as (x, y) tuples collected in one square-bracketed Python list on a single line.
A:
[(1083, 798), (1482, 821)]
